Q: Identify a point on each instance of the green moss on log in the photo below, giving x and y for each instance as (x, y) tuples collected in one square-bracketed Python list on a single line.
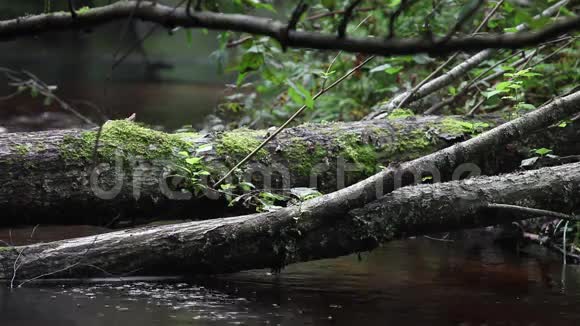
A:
[(129, 140), (459, 127), (410, 145), (355, 150), (302, 156), (400, 114), (21, 149), (239, 143)]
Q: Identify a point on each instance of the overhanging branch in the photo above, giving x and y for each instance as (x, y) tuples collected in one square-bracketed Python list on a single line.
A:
[(168, 16)]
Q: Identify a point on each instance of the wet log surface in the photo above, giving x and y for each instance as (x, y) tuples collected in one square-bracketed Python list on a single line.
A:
[(271, 240), (46, 176)]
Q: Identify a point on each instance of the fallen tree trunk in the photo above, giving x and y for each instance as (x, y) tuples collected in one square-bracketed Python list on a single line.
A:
[(255, 241), (292, 234), (52, 177)]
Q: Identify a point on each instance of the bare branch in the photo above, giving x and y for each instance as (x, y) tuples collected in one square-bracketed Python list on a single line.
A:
[(470, 12), (527, 211), (71, 9), (337, 12), (392, 20), (294, 18), (346, 17), (170, 17)]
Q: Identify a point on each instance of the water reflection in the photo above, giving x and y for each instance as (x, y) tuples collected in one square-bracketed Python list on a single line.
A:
[(418, 282)]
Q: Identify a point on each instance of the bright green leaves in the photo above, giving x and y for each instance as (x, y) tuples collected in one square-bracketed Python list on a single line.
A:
[(564, 123), (193, 170), (455, 126), (300, 95), (528, 73), (541, 151), (513, 88), (252, 59), (387, 68), (400, 114)]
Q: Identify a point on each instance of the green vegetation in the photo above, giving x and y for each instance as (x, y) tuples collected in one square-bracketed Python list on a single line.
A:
[(21, 149), (128, 139), (364, 155), (460, 127), (400, 114), (303, 156), (239, 143)]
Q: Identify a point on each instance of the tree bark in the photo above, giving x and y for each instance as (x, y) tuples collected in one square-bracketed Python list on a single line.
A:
[(172, 17), (272, 241), (313, 229), (46, 176)]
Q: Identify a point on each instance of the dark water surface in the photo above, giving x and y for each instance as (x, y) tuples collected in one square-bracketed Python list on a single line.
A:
[(418, 282)]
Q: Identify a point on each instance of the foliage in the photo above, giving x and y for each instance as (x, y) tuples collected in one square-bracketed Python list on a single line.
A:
[(284, 80), (192, 168)]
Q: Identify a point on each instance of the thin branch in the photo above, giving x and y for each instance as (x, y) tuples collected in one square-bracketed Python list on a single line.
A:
[(520, 64), (285, 124), (234, 43), (452, 75), (441, 67), (296, 14), (171, 17), (393, 18), (558, 50), (294, 18), (337, 12), (489, 16), (533, 211), (476, 107), (435, 107), (328, 69), (71, 9), (463, 19), (346, 17), (196, 8)]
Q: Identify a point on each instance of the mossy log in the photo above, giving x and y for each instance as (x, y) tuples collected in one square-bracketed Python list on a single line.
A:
[(57, 176), (353, 219), (269, 241)]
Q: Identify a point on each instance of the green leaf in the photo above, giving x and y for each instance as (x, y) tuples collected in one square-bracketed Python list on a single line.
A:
[(493, 93), (452, 90), (542, 151), (295, 96), (193, 160), (247, 186), (393, 70), (380, 68), (329, 4), (503, 85), (240, 79), (564, 123), (526, 106)]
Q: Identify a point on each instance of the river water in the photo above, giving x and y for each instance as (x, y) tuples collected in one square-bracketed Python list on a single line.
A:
[(413, 282)]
